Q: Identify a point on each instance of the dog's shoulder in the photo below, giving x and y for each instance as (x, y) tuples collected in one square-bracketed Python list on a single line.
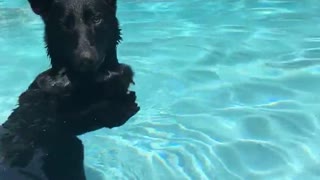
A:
[(35, 83), (51, 81)]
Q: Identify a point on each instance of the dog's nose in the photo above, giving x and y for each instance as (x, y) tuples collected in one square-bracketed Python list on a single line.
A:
[(86, 56), (87, 60)]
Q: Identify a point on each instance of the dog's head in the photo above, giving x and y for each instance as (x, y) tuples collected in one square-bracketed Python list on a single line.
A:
[(81, 35)]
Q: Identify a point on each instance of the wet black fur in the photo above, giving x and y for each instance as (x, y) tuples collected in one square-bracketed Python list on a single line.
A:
[(82, 92)]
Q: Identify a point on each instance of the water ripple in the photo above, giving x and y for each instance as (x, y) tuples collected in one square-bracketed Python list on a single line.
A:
[(228, 88)]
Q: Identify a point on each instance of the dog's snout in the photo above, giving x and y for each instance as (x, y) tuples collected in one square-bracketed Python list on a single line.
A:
[(87, 57), (87, 61)]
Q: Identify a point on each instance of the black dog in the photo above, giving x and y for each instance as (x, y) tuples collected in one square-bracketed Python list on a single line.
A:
[(86, 89), (82, 37)]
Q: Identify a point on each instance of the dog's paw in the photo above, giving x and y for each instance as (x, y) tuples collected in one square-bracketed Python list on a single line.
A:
[(130, 97), (126, 74), (111, 114), (122, 113)]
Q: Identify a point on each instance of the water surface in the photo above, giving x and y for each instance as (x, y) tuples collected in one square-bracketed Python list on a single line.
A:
[(228, 88)]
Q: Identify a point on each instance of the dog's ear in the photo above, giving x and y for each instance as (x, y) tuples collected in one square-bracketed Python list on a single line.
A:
[(40, 7), (112, 3)]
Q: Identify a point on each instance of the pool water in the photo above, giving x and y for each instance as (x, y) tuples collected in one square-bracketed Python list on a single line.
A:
[(229, 89)]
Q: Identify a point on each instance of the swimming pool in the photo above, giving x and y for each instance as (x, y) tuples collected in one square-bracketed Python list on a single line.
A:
[(228, 88)]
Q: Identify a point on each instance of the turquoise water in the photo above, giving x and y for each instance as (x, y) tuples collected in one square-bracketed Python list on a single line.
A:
[(229, 89)]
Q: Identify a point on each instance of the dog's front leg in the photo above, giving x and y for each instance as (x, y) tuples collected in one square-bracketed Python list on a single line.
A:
[(99, 115)]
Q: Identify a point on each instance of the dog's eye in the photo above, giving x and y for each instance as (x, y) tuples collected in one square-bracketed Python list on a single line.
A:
[(96, 19)]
